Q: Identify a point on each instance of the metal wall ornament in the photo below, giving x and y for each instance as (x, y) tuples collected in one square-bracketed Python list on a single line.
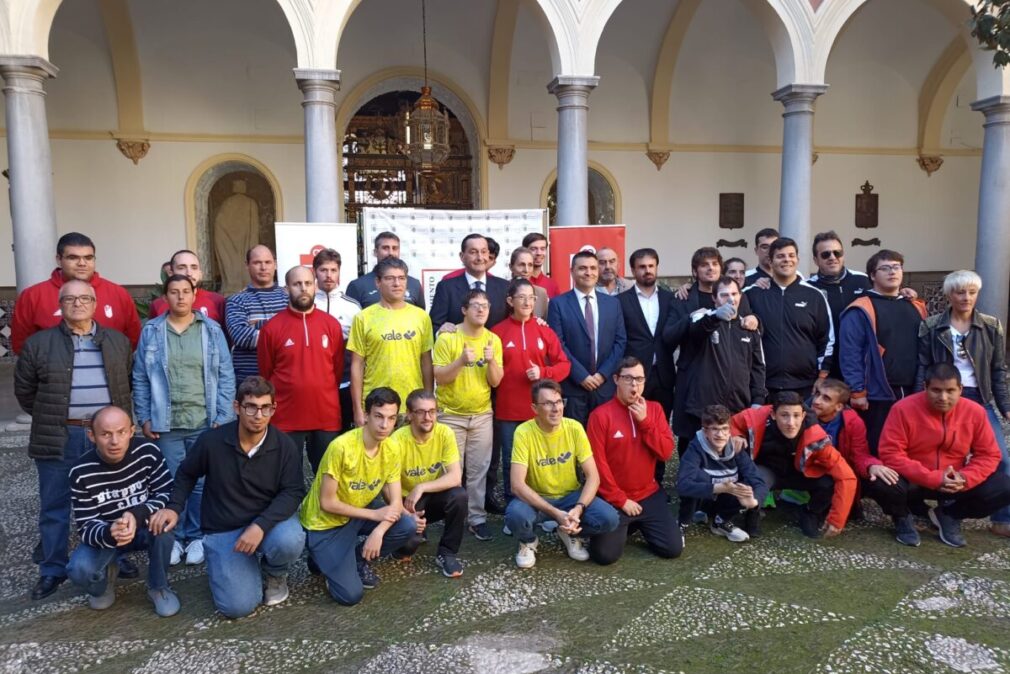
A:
[(427, 125), (867, 207)]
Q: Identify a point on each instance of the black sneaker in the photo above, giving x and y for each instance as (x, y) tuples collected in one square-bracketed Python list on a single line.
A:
[(752, 522), (810, 524), (369, 580), (127, 569), (450, 565), (905, 531), (482, 532), (950, 528)]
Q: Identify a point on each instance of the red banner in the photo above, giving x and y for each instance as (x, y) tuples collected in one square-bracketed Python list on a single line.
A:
[(565, 242)]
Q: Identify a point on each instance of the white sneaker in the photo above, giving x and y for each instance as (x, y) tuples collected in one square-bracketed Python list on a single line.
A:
[(526, 558), (725, 528), (194, 553), (576, 550), (505, 530), (176, 554)]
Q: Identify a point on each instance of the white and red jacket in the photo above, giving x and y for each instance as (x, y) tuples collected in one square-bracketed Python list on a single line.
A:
[(302, 354), (523, 344), (38, 308), (626, 450)]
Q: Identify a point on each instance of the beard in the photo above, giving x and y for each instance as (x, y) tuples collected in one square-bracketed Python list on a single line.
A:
[(302, 302)]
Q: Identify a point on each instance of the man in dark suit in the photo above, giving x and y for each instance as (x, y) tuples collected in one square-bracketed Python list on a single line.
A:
[(646, 307), (591, 328), (450, 293)]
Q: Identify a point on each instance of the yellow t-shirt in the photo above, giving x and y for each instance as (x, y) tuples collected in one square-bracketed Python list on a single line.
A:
[(359, 478), (424, 463), (550, 459), (469, 393), (391, 342)]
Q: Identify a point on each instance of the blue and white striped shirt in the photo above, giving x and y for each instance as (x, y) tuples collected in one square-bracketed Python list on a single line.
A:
[(89, 386)]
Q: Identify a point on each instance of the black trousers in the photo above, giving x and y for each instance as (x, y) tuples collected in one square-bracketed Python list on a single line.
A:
[(658, 527), (876, 415), (492, 470), (821, 489), (315, 444), (346, 410), (664, 396), (903, 497), (581, 403), (449, 506)]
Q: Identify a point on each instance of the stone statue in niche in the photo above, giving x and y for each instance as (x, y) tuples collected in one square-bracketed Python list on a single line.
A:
[(867, 207), (236, 230)]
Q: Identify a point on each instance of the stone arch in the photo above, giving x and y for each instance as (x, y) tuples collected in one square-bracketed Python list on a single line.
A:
[(789, 27), (603, 172), (197, 192), (666, 66), (937, 90)]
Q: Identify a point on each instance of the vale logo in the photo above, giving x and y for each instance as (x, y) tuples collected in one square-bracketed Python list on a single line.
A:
[(552, 461), (394, 336), (361, 485)]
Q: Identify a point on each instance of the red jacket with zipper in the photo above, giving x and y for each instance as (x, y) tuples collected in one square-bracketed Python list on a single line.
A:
[(522, 344), (302, 354), (815, 457), (626, 450), (921, 443)]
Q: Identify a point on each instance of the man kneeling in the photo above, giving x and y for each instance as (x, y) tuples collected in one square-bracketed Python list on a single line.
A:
[(344, 502), (545, 452), (942, 447), (712, 471), (430, 476), (114, 489), (253, 483)]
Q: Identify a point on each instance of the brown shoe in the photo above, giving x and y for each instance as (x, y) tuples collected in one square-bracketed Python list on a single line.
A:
[(1000, 529)]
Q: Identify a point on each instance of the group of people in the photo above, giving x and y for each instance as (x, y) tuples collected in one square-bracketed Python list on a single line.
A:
[(819, 390)]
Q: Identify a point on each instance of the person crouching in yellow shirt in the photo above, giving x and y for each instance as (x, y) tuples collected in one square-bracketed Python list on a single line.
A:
[(467, 364), (344, 501), (430, 477)]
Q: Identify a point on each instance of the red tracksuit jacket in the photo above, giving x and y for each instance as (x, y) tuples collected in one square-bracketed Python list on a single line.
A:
[(626, 450), (521, 344), (302, 354), (38, 308)]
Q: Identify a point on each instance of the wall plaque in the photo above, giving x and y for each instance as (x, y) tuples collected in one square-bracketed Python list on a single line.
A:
[(867, 207), (731, 210)]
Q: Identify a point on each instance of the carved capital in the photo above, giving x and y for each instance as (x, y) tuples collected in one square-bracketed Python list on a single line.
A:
[(501, 154), (657, 158), (134, 150), (929, 163)]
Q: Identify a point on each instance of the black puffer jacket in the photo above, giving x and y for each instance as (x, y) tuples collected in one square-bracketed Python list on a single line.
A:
[(42, 379)]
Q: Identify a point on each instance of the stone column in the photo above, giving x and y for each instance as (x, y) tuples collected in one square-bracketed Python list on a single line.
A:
[(33, 209), (992, 242), (797, 159), (319, 89), (573, 147)]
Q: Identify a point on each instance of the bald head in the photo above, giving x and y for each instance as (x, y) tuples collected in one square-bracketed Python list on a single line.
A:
[(108, 416), (111, 431), (77, 303)]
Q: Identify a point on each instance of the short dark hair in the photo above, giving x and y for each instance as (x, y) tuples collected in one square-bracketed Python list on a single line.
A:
[(821, 237), (780, 243), (715, 415), (493, 247), (725, 281), (516, 284), (472, 295), (254, 386), (582, 254), (516, 252), (703, 254), (643, 252), (175, 278), (73, 239), (388, 263), (942, 372), (787, 399), (880, 256), (416, 395), (385, 235), (732, 260), (544, 385), (468, 237), (838, 386), (171, 260), (324, 256), (628, 362), (764, 234), (381, 396), (533, 237)]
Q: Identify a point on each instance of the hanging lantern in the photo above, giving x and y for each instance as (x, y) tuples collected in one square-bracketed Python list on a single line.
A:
[(427, 124)]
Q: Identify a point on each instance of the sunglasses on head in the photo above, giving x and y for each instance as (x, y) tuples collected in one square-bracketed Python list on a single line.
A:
[(828, 254)]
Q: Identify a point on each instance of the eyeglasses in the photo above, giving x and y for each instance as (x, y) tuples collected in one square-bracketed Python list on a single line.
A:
[(553, 404), (78, 258), (250, 410), (394, 279), (631, 379), (888, 268), (828, 254), (425, 413), (523, 298), (71, 300), (480, 306)]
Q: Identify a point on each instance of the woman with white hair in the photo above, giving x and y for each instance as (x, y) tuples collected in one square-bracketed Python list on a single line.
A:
[(976, 345)]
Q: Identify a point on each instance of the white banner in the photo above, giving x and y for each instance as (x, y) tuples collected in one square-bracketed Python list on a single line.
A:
[(430, 240), (298, 243)]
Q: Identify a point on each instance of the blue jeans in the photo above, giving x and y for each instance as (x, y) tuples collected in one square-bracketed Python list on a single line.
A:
[(1003, 514), (236, 581), (337, 552), (600, 517), (175, 445), (508, 432), (54, 502), (87, 564)]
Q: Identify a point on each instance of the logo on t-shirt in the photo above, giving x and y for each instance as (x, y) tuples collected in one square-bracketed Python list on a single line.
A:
[(361, 485), (510, 345), (326, 341), (108, 311), (394, 336), (551, 461), (801, 304), (540, 343), (290, 342), (618, 435)]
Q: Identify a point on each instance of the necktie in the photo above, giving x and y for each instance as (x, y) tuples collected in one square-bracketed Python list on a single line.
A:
[(592, 334), (477, 285)]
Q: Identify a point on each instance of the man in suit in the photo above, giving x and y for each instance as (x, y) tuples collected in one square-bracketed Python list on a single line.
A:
[(590, 325), (450, 293), (646, 307)]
